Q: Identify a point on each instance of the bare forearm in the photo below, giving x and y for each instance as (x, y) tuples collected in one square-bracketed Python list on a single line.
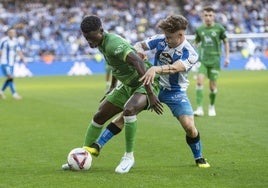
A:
[(169, 69), (226, 48)]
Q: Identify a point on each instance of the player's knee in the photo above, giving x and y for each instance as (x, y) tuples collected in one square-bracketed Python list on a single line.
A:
[(99, 118), (192, 132), (129, 111)]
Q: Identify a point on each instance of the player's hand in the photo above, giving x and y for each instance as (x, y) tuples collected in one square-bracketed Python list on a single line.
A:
[(142, 55), (148, 77), (155, 104), (226, 62)]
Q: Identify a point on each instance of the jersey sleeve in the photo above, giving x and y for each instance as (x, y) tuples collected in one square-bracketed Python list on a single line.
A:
[(223, 34), (197, 36), (120, 50), (153, 41), (189, 57)]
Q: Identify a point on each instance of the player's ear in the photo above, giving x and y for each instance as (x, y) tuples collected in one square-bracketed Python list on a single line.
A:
[(101, 30)]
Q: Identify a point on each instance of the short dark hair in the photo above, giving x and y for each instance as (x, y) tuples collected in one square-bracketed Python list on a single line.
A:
[(173, 23), (209, 9), (90, 23)]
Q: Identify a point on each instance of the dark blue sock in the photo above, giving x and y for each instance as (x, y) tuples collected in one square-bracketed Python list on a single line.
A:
[(195, 145), (12, 86), (5, 85), (108, 133)]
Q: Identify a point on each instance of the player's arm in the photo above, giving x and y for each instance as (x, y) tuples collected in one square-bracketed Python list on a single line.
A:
[(141, 47), (133, 59), (227, 52), (20, 54), (148, 78)]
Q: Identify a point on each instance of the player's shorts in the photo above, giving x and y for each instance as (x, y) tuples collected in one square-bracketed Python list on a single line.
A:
[(121, 94), (211, 69), (177, 101), (7, 70)]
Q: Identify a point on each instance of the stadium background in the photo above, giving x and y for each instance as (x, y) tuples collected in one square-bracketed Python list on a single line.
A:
[(51, 40)]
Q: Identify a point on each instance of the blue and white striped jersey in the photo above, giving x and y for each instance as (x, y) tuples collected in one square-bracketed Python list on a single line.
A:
[(9, 49), (165, 55)]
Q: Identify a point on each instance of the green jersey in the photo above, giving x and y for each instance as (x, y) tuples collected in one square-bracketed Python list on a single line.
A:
[(115, 50), (210, 42)]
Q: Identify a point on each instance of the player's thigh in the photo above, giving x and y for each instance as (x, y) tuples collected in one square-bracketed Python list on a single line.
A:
[(105, 112), (7, 70), (213, 73), (187, 122), (177, 101), (119, 96), (202, 69), (136, 103)]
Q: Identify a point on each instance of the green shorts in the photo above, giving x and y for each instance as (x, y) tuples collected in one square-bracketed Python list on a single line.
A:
[(212, 69), (120, 95)]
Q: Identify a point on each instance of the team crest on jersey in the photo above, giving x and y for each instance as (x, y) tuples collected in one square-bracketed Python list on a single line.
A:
[(118, 50), (165, 58), (213, 33)]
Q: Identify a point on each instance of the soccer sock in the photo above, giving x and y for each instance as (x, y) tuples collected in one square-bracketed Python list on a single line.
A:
[(130, 132), (5, 85), (93, 132), (108, 133), (195, 145), (212, 96), (12, 86), (199, 95)]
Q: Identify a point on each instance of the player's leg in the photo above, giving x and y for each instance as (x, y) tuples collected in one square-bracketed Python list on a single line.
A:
[(193, 140), (199, 90), (213, 75), (106, 111), (118, 98), (11, 84), (5, 71), (181, 108), (136, 103), (108, 133)]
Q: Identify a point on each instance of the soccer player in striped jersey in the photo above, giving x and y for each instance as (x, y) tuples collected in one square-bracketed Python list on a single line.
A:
[(174, 57), (9, 49), (209, 37)]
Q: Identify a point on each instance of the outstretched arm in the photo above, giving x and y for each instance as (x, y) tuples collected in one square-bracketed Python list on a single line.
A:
[(139, 65), (148, 77)]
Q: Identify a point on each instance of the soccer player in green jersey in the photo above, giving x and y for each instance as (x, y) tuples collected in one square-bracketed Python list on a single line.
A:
[(128, 98), (209, 38)]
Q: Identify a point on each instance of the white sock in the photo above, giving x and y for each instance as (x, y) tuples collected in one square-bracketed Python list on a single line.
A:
[(129, 154)]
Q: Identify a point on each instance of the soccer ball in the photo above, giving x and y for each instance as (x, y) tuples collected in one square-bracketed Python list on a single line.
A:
[(79, 159)]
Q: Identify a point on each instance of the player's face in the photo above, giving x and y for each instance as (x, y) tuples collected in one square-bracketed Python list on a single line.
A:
[(208, 18), (175, 39), (11, 33), (94, 38)]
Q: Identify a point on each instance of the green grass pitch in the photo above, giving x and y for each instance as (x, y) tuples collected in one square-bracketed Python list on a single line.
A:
[(37, 133)]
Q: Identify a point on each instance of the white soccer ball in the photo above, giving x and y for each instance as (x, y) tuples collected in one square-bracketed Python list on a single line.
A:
[(79, 159)]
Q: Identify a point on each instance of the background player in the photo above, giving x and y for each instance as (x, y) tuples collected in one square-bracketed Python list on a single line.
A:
[(9, 49), (209, 37)]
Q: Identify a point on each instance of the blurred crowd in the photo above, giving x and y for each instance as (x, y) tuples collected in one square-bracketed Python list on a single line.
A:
[(52, 27)]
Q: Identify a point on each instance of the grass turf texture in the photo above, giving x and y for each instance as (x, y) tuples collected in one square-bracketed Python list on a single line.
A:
[(37, 133)]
